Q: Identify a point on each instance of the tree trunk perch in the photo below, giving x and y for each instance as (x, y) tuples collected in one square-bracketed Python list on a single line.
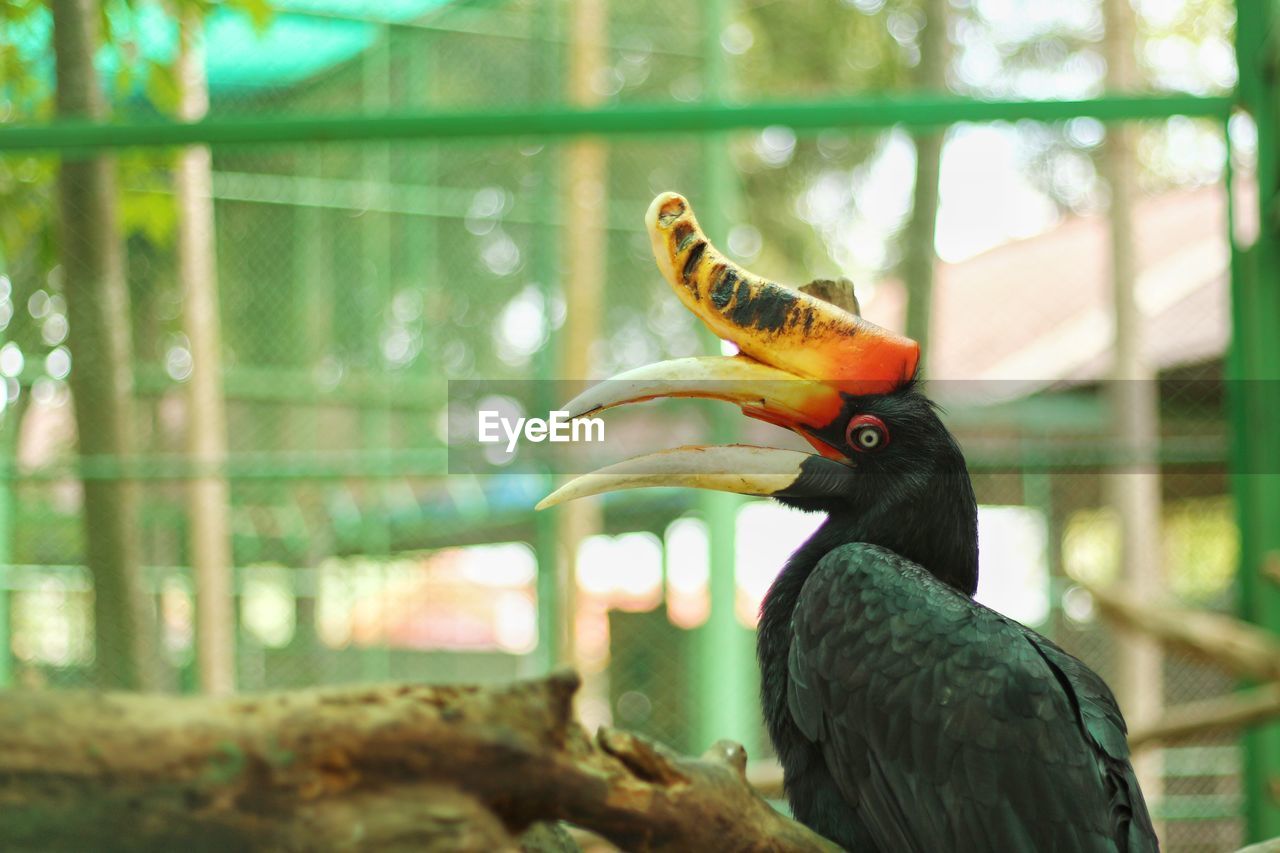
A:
[(394, 767)]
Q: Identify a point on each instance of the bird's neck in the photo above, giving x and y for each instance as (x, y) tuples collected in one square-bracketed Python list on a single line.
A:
[(932, 522), (935, 525), (938, 531), (940, 537)]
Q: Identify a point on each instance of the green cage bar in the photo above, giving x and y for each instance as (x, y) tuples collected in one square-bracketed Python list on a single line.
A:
[(1254, 368), (727, 678), (546, 271), (8, 440), (638, 119), (727, 687)]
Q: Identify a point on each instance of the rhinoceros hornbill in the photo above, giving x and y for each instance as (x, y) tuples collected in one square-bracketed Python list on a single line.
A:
[(907, 716)]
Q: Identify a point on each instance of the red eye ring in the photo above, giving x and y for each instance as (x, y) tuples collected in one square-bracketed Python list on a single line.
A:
[(866, 433)]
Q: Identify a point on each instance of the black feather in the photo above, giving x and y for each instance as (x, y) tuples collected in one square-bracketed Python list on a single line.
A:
[(1025, 751)]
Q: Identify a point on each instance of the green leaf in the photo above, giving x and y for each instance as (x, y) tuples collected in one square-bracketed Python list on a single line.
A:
[(259, 11), (162, 87)]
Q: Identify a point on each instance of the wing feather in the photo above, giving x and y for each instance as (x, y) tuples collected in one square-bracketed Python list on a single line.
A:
[(948, 726)]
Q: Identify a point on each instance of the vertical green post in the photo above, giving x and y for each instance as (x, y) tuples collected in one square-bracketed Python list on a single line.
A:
[(422, 252), (545, 264), (312, 328), (8, 435), (1037, 493), (8, 438), (1253, 368), (726, 672), (376, 296)]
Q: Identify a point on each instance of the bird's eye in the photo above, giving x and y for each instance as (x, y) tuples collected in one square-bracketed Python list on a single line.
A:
[(866, 432)]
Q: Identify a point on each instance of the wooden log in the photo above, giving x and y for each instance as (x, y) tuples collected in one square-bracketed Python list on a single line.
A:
[(395, 767), (1243, 649), (1229, 712)]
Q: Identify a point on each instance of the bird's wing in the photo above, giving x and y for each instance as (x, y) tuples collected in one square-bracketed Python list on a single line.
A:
[(1099, 715), (950, 727)]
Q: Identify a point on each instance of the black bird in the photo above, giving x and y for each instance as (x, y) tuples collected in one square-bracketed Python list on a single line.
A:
[(907, 717)]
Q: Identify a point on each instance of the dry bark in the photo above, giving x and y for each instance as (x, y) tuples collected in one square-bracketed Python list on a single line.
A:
[(394, 767)]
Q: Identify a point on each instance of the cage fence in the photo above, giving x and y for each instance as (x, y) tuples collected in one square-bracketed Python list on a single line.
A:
[(355, 278)]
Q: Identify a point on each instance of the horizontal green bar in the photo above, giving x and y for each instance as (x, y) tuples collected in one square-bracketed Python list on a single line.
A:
[(428, 462), (1198, 807), (1194, 761), (433, 462), (1088, 457), (559, 121), (382, 197), (299, 386)]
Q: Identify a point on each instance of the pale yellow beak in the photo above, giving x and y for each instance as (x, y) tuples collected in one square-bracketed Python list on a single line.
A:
[(801, 357), (739, 468), (762, 391)]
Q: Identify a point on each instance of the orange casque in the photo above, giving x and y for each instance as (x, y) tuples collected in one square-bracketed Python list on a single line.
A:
[(771, 322)]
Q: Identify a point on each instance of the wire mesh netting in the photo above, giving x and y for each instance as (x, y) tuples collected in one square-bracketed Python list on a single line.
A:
[(355, 279)]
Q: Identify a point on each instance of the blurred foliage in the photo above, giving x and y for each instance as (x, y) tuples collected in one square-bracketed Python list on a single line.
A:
[(145, 84), (1035, 50), (36, 319), (777, 168), (797, 198), (1200, 548)]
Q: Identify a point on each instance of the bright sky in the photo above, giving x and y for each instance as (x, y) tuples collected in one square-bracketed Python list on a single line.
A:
[(985, 198)]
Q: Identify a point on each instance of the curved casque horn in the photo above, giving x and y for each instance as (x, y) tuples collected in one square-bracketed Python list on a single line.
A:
[(775, 324)]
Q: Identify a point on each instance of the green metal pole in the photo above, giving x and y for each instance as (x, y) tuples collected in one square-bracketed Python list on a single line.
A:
[(727, 677), (432, 461), (1254, 368), (8, 439), (6, 560), (913, 111), (545, 263), (312, 292), (1037, 492), (376, 296)]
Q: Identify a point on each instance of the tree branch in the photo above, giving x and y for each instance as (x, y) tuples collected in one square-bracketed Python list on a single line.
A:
[(395, 767), (1234, 711), (1238, 646)]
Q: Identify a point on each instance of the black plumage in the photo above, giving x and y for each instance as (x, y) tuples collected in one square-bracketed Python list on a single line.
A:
[(907, 716)]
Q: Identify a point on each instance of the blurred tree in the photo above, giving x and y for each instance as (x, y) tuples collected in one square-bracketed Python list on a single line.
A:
[(71, 273), (208, 493), (93, 277), (1134, 392), (814, 49), (1040, 50), (919, 254)]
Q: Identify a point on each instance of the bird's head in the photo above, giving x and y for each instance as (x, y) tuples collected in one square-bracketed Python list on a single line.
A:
[(886, 469)]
